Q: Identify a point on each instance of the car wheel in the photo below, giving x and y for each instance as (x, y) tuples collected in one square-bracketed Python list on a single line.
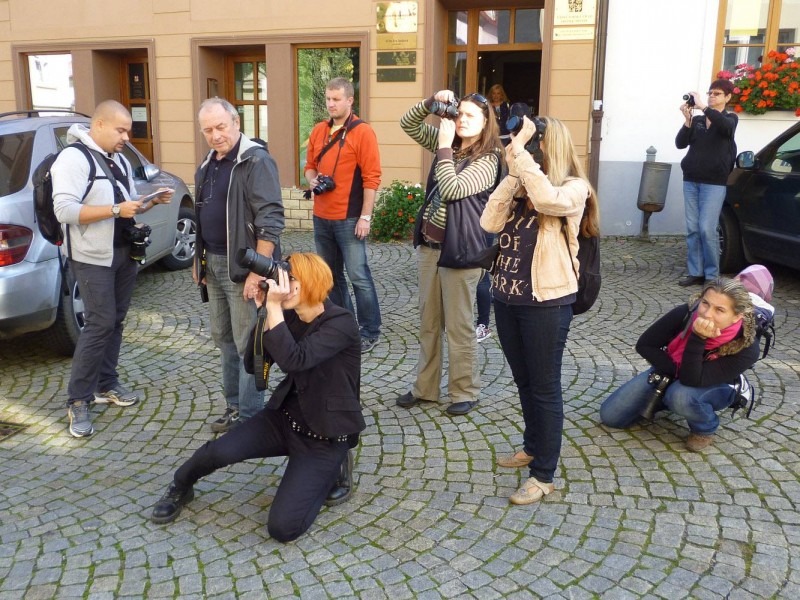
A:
[(731, 253), (185, 237), (64, 333)]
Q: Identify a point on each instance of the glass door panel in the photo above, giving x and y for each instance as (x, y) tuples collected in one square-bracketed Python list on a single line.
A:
[(316, 66)]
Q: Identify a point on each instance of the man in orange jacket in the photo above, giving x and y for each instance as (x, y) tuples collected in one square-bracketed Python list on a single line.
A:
[(343, 168)]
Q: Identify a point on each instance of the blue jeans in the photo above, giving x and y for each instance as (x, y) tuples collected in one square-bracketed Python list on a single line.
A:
[(232, 320), (337, 243), (533, 340), (702, 204), (697, 405), (106, 293)]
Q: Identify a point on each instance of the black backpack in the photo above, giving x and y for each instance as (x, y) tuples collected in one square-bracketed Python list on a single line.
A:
[(42, 180), (589, 278)]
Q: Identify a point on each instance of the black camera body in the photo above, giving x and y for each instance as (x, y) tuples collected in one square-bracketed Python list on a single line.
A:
[(138, 236), (689, 100), (446, 110), (514, 123), (259, 264), (324, 184), (660, 383)]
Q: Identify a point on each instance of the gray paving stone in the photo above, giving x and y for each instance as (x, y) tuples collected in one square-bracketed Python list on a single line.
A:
[(634, 515)]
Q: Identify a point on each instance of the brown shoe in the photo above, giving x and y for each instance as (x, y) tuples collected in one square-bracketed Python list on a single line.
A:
[(531, 491), (515, 461), (696, 442)]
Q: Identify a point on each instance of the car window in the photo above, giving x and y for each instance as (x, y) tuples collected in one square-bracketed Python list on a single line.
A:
[(16, 150), (61, 137), (136, 162), (787, 157)]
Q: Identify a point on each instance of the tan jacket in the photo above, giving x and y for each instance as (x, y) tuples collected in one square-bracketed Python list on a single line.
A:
[(552, 275)]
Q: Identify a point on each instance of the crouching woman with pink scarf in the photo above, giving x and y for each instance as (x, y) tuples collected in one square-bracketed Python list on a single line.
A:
[(702, 347)]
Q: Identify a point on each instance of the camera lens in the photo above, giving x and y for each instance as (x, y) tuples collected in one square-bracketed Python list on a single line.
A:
[(514, 124), (259, 264)]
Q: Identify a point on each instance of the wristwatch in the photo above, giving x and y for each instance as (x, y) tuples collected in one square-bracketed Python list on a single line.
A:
[(115, 208), (367, 218)]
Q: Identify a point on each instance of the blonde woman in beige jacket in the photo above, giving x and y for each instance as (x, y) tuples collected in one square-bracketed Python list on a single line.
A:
[(534, 283)]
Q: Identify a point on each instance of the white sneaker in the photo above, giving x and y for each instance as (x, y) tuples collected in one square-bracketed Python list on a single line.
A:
[(482, 332)]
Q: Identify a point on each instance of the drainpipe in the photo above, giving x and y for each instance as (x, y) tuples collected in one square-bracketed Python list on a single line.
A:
[(599, 82)]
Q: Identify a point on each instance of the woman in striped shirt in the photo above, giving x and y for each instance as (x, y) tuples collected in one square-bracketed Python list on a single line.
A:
[(449, 240)]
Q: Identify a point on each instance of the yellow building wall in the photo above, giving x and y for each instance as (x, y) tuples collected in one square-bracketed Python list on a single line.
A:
[(171, 25)]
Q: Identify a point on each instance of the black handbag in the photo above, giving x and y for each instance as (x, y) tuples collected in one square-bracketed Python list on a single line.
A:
[(486, 258)]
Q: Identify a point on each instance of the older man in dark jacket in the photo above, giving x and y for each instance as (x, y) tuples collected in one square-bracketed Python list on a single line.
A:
[(238, 206)]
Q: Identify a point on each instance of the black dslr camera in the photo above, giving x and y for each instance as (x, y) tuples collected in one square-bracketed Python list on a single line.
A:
[(514, 124), (689, 100), (259, 264), (660, 383), (138, 236), (446, 110), (324, 184)]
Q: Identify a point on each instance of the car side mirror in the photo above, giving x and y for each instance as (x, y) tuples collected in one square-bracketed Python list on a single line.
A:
[(746, 160), (151, 171)]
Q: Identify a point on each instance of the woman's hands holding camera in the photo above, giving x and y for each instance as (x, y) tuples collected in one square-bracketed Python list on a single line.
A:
[(521, 139), (447, 127)]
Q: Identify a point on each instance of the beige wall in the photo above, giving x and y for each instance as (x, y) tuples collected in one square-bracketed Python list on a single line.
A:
[(170, 30)]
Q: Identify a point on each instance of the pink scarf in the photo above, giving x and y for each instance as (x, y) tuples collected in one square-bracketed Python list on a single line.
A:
[(676, 347)]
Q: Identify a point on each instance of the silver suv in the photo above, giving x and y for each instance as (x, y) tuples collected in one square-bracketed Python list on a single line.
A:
[(32, 297)]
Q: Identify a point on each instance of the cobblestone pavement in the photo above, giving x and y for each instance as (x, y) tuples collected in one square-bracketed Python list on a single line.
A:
[(635, 515)]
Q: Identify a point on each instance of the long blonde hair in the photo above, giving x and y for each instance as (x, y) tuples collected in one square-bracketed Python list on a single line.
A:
[(561, 162)]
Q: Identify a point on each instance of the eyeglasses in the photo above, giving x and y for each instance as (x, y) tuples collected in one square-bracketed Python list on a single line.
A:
[(715, 93), (475, 97)]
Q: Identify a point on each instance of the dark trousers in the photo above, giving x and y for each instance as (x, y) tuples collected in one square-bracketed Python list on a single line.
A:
[(106, 294), (483, 296), (312, 469), (533, 340)]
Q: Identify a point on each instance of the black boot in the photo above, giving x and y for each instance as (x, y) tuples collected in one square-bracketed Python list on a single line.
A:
[(169, 506), (343, 488)]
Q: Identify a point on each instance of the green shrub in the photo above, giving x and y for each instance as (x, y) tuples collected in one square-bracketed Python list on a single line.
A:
[(395, 211)]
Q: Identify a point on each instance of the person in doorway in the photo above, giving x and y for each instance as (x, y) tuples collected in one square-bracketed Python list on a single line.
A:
[(706, 166), (239, 206), (449, 239), (99, 255), (343, 169), (501, 109), (314, 415)]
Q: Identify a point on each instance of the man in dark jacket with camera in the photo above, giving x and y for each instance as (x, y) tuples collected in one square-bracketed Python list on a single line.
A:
[(343, 168), (238, 206)]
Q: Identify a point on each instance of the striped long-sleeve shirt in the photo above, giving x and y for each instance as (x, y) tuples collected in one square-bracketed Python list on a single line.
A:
[(454, 181)]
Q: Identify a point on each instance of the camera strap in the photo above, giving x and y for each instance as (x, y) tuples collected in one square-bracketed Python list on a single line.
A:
[(348, 126), (261, 365)]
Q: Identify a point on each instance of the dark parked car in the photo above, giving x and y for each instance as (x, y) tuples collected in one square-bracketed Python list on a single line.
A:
[(31, 295), (760, 220)]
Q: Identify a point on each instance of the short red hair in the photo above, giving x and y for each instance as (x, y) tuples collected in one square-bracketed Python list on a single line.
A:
[(314, 275)]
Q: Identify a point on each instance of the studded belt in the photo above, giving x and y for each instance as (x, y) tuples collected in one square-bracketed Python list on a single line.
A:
[(308, 433)]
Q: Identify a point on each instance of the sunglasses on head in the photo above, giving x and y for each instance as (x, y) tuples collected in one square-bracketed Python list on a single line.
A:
[(477, 98)]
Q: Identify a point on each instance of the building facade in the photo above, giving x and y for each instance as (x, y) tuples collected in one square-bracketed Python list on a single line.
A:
[(613, 70)]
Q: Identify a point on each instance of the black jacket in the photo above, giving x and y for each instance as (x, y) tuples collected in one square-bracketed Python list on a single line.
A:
[(255, 207), (323, 365), (712, 151), (464, 238), (698, 369)]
